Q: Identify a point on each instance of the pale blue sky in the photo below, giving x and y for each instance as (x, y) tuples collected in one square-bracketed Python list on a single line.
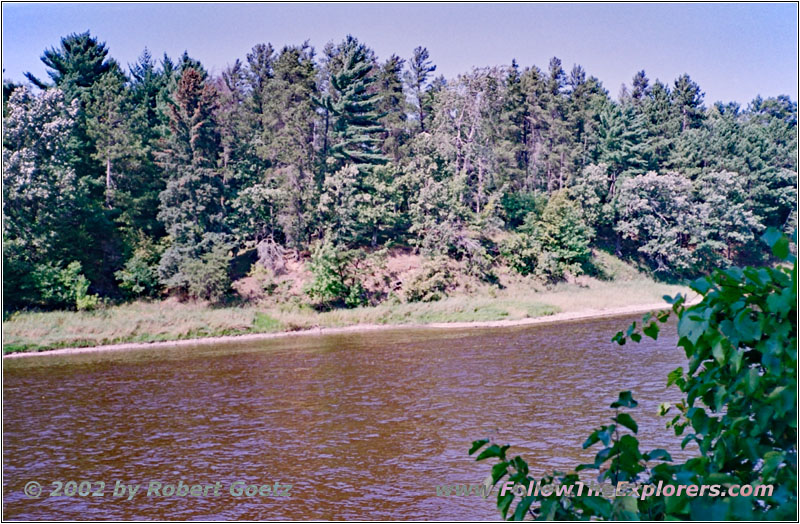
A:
[(734, 51)]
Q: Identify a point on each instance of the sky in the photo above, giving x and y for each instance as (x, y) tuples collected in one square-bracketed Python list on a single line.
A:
[(733, 51)]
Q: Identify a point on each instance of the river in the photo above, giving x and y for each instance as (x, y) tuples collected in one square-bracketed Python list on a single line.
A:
[(362, 426)]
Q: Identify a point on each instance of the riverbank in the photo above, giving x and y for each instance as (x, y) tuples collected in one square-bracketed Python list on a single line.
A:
[(170, 323), (358, 328)]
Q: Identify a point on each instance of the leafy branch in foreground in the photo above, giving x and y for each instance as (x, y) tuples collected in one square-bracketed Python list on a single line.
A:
[(739, 408)]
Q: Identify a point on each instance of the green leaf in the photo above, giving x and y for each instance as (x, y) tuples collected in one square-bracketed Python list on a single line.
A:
[(521, 511), (593, 439), (775, 392), (677, 505), (625, 401), (701, 285), (504, 502), (494, 451), (599, 506), (747, 328), (772, 459), (627, 421), (777, 241), (478, 444), (659, 454), (651, 330), (625, 508), (752, 380), (498, 471), (718, 351), (691, 328), (674, 376)]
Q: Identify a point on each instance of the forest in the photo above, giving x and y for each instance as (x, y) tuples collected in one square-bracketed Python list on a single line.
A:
[(159, 178)]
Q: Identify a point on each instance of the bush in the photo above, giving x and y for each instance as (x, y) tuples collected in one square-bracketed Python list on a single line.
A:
[(336, 280), (208, 277), (139, 277), (430, 284), (521, 252), (739, 408), (63, 287)]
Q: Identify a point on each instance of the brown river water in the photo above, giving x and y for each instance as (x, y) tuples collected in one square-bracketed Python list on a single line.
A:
[(362, 426)]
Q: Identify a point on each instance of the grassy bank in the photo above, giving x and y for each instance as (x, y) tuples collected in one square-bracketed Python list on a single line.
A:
[(173, 320)]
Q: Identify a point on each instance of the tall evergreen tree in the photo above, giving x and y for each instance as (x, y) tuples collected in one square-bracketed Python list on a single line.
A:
[(191, 204), (76, 65), (392, 105), (419, 69), (353, 102), (687, 103)]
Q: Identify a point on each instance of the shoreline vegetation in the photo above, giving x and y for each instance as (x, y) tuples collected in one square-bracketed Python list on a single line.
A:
[(170, 322), (304, 190), (355, 328)]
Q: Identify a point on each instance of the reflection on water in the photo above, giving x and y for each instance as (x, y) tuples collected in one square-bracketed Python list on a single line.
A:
[(364, 426)]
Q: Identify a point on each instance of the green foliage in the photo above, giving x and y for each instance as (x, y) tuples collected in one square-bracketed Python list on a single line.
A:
[(76, 65), (739, 408), (208, 278), (336, 276), (353, 104), (289, 146), (563, 233), (63, 287), (517, 206), (139, 277), (656, 212), (431, 283), (521, 252), (553, 245), (420, 68), (50, 213)]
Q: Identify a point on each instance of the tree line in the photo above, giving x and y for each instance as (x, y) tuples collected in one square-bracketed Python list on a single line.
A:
[(125, 183)]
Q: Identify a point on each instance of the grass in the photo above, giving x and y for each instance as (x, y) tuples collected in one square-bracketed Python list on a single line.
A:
[(172, 320)]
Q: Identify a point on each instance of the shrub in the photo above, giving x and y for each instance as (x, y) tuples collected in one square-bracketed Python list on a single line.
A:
[(208, 277), (63, 287), (563, 233), (336, 280), (139, 277), (430, 284), (521, 252), (519, 205)]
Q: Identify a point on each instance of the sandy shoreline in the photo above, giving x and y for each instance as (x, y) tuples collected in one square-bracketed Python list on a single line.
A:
[(358, 328)]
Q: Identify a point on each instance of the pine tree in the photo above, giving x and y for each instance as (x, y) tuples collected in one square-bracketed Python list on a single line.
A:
[(191, 204), (108, 122), (76, 65), (392, 105), (285, 140), (352, 101), (514, 129), (641, 87), (687, 103), (419, 69)]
